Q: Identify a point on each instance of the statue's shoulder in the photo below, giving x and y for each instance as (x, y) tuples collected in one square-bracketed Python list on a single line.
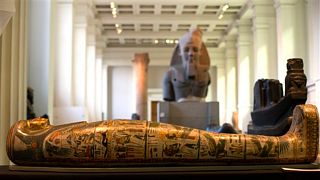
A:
[(172, 71)]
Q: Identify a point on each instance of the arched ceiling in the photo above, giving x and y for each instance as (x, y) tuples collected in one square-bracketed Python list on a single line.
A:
[(150, 23)]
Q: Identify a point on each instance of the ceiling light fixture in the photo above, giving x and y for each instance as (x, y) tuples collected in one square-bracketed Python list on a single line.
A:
[(118, 28), (114, 12), (114, 9), (222, 9), (112, 5), (225, 7), (169, 41)]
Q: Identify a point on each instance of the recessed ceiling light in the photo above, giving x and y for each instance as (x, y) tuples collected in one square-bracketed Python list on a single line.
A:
[(225, 7), (114, 11), (112, 5), (119, 30)]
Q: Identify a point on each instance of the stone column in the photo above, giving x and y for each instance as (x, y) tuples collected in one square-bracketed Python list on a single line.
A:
[(80, 53), (5, 91), (244, 72), (91, 74), (98, 84), (291, 32), (105, 91), (219, 62), (231, 73), (264, 40), (13, 67), (100, 45), (84, 70), (63, 54), (312, 63), (221, 93), (61, 66), (140, 76)]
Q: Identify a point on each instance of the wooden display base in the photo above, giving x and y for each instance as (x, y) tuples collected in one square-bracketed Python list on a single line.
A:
[(271, 172), (297, 167)]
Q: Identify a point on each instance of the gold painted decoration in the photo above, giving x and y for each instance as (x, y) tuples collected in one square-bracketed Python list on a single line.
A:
[(37, 143)]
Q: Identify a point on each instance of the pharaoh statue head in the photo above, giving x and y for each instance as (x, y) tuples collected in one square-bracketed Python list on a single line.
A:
[(191, 54), (187, 78)]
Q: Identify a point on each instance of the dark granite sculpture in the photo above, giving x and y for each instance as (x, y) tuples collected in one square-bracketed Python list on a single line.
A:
[(187, 78), (128, 142), (272, 110), (30, 112), (187, 81)]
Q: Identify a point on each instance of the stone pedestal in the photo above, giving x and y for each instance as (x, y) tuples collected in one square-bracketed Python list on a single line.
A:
[(200, 115)]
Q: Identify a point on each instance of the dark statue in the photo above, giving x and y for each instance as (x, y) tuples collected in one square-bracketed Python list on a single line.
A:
[(187, 78), (185, 86), (272, 110), (30, 112)]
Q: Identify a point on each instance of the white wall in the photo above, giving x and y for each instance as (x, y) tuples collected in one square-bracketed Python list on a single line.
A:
[(38, 53), (155, 76), (212, 89), (120, 92)]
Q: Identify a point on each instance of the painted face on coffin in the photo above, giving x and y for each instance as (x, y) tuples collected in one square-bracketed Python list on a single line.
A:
[(34, 126)]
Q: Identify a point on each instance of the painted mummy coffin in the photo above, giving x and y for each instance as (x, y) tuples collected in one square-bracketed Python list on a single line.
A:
[(124, 142)]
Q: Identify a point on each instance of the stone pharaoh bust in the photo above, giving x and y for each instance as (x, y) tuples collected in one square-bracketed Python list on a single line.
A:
[(187, 78)]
